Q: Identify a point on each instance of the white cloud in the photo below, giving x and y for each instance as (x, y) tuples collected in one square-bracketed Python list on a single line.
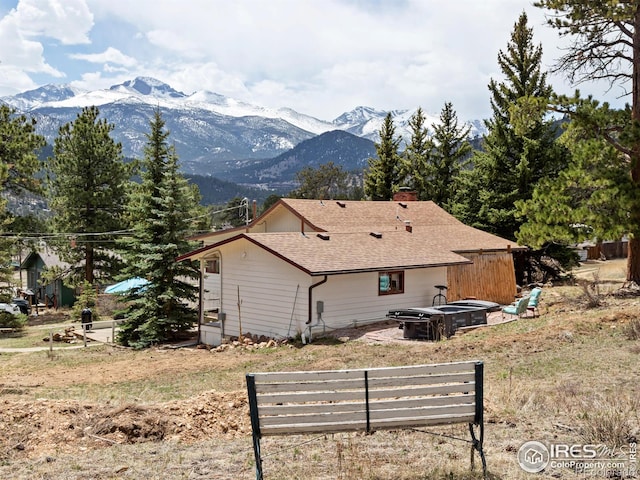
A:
[(68, 21), (19, 53), (331, 55), (321, 57), (110, 55)]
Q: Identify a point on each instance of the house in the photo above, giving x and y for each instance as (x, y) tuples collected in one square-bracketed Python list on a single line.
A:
[(54, 294), (315, 264)]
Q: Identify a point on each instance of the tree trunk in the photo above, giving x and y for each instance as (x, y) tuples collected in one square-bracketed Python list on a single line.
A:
[(88, 267), (633, 254)]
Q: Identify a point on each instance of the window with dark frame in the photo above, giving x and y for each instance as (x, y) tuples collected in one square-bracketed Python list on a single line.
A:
[(212, 266), (390, 283)]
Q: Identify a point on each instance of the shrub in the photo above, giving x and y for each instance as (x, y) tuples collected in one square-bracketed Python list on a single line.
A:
[(86, 299), (632, 329), (609, 421), (9, 320), (591, 295)]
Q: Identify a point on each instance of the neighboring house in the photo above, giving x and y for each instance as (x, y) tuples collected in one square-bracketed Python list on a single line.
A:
[(313, 264), (54, 294), (604, 250)]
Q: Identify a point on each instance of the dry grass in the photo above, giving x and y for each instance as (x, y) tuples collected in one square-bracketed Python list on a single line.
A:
[(569, 375)]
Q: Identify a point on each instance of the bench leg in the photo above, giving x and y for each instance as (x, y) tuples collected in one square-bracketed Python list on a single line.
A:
[(476, 444), (256, 452)]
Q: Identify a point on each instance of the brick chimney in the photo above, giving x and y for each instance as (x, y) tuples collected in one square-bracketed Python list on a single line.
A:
[(407, 226), (405, 195)]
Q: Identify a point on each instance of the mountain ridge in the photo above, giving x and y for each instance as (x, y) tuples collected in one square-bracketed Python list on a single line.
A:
[(219, 136)]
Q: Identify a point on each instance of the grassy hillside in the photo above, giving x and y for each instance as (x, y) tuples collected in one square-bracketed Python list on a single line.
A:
[(570, 375)]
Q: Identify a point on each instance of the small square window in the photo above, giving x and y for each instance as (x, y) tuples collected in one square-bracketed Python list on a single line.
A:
[(390, 283), (212, 266)]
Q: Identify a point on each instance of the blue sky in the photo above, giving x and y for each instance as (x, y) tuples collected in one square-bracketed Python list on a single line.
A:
[(319, 57)]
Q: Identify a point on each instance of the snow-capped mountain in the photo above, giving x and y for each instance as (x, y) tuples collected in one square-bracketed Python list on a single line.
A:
[(210, 131)]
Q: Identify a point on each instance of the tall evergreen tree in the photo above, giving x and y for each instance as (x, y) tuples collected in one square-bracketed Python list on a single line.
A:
[(450, 148), (384, 172), (87, 183), (233, 214), (5, 245), (163, 210), (605, 46), (588, 200), (512, 160), (19, 146), (328, 181), (416, 167)]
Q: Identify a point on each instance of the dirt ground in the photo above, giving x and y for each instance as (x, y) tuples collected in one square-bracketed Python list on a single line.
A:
[(38, 424)]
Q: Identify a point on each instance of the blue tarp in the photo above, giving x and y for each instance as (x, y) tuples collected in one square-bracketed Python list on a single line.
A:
[(126, 285)]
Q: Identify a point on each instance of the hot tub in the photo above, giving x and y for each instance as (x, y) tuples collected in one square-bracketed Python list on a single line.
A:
[(434, 323)]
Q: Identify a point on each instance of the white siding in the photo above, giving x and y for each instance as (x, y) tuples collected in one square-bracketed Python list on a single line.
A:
[(281, 220), (352, 299), (220, 236), (274, 294)]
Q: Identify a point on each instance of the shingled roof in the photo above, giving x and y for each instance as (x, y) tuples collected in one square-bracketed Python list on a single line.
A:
[(348, 252), (338, 236), (358, 216)]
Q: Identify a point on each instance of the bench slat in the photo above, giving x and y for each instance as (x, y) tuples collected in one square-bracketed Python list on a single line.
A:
[(311, 376), (359, 413), (412, 370), (392, 423), (324, 385), (451, 410), (358, 425), (304, 397), (423, 391), (293, 409), (416, 370), (420, 380), (330, 384)]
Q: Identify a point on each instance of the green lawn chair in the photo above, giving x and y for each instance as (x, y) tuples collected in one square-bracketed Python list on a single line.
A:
[(534, 298), (518, 308)]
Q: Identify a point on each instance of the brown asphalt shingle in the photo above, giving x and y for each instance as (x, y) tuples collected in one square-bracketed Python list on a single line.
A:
[(434, 239), (360, 216), (349, 252)]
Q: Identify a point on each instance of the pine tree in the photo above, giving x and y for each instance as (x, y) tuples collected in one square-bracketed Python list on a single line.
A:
[(416, 171), (19, 147), (162, 208), (587, 200), (604, 46), (512, 160), (87, 183), (5, 245), (384, 172), (328, 181), (233, 214), (450, 149)]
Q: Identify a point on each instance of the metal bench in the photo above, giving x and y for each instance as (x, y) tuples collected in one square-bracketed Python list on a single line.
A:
[(394, 398)]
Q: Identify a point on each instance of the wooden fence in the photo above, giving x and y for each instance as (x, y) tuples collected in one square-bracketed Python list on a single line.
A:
[(490, 277)]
